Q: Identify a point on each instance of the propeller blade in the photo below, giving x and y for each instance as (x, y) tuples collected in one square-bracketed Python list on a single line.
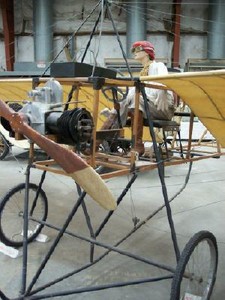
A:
[(70, 162)]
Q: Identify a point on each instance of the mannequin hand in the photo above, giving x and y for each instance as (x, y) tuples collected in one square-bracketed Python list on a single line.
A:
[(161, 101), (162, 105)]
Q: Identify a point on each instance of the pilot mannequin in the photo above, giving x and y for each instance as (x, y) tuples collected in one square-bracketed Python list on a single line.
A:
[(161, 102)]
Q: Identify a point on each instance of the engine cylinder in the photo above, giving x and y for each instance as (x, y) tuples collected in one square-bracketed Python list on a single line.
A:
[(75, 126)]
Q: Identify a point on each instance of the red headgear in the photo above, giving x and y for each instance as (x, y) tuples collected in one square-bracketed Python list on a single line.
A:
[(146, 46)]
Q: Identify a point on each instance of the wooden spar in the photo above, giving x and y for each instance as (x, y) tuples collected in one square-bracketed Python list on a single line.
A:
[(71, 163)]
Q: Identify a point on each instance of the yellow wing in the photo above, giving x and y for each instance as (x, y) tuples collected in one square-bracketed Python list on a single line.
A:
[(204, 93)]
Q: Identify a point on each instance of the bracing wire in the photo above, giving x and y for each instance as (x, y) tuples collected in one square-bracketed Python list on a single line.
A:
[(154, 13), (73, 35), (158, 15), (100, 34)]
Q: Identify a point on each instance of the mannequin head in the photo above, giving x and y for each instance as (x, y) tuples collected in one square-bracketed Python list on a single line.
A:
[(144, 47)]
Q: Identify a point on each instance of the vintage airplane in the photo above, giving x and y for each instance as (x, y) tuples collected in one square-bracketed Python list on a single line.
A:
[(45, 122), (62, 117)]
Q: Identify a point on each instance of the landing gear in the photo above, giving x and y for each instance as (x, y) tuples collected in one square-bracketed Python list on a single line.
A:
[(12, 214), (196, 270)]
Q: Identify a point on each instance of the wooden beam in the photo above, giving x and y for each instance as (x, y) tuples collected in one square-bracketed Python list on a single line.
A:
[(7, 7)]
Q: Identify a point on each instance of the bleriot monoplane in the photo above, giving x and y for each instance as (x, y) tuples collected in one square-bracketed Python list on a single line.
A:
[(45, 123), (62, 117)]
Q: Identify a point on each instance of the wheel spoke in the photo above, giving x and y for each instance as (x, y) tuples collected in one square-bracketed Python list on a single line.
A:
[(196, 271), (12, 216)]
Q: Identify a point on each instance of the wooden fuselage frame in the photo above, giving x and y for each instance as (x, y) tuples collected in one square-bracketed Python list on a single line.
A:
[(119, 164)]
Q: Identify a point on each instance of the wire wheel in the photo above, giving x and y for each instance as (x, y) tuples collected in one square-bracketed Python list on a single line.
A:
[(12, 214), (4, 147), (196, 270)]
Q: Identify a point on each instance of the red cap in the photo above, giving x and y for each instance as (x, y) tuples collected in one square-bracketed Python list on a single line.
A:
[(146, 46)]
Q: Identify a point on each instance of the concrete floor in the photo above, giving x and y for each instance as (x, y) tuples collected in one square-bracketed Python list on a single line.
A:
[(200, 206)]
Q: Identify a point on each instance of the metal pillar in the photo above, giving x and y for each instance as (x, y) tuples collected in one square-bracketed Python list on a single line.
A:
[(176, 32), (136, 22), (7, 7), (43, 30), (216, 29)]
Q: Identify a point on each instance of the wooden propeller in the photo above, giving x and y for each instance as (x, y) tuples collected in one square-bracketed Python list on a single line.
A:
[(71, 163)]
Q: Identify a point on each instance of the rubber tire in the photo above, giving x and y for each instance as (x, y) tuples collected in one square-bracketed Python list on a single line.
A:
[(4, 147), (185, 257), (7, 240)]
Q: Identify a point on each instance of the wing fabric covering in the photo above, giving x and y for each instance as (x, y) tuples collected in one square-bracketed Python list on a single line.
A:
[(204, 93)]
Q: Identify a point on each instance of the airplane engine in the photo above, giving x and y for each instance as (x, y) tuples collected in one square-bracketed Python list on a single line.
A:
[(45, 114)]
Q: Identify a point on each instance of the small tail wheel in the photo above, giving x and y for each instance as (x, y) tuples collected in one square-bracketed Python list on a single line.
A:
[(12, 214), (195, 274), (4, 147)]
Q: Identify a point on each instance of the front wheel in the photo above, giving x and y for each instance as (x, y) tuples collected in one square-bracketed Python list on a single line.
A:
[(12, 214), (195, 274)]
